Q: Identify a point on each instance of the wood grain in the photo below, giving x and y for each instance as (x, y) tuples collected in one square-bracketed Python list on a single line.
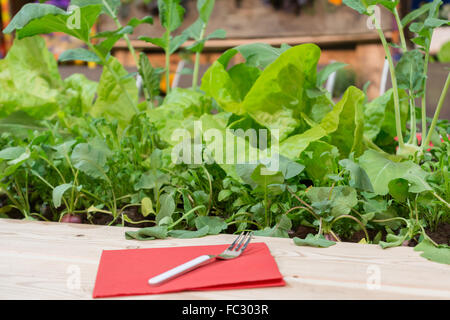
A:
[(321, 40), (37, 259), (256, 20)]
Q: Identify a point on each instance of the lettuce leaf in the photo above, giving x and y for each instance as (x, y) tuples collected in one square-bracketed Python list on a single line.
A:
[(275, 98), (180, 109), (111, 102), (29, 79), (343, 124)]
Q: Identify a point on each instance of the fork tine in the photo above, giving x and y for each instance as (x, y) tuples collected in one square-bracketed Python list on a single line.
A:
[(250, 235), (243, 241), (235, 241)]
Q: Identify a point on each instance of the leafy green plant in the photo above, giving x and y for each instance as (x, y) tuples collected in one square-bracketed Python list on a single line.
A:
[(197, 32), (34, 19), (411, 71), (78, 147), (444, 53), (171, 15)]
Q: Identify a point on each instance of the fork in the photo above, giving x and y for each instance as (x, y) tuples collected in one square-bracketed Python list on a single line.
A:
[(233, 251)]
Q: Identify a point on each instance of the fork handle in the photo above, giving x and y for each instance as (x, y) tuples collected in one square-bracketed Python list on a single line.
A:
[(181, 269)]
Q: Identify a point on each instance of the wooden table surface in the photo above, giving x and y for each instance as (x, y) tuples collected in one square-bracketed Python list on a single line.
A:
[(39, 260)]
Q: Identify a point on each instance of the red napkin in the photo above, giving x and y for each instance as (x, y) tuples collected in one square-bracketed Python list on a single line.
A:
[(126, 272)]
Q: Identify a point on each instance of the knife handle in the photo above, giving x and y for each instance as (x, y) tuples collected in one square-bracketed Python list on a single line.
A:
[(181, 269)]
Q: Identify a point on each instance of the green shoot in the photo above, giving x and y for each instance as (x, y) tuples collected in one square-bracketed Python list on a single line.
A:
[(197, 32)]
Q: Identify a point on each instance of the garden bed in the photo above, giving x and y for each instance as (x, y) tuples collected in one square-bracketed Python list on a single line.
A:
[(39, 257), (259, 146)]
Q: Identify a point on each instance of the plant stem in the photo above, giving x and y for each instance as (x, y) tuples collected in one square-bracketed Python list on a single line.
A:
[(400, 30), (398, 123), (391, 219), (210, 190), (167, 50), (372, 145), (246, 221), (357, 221), (335, 236), (412, 110), (437, 112), (125, 36), (266, 206), (197, 60), (300, 200), (424, 100), (184, 216), (440, 199)]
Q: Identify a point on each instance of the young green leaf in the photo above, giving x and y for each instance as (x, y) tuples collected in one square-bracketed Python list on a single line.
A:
[(410, 71), (90, 158), (440, 254), (280, 230), (160, 42), (58, 193), (379, 115), (323, 74), (358, 177), (176, 43), (413, 15), (171, 14), (260, 55), (79, 54), (111, 37), (112, 102), (381, 171), (35, 18), (289, 168), (263, 178), (149, 233), (342, 198), (147, 206), (399, 189), (393, 240), (356, 5), (311, 240), (109, 7), (205, 8), (134, 22), (19, 124), (150, 76), (344, 120), (320, 159), (215, 224), (167, 207), (388, 4), (187, 234), (224, 195)]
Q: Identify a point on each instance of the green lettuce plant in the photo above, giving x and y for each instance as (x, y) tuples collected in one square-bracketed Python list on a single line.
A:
[(36, 18)]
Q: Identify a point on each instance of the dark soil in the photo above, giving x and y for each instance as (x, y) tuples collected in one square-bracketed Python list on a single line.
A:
[(359, 235), (441, 235), (302, 232), (135, 215), (105, 219), (97, 218)]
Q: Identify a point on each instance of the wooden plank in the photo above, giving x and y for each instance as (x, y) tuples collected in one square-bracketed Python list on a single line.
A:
[(321, 40), (254, 19), (38, 258)]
